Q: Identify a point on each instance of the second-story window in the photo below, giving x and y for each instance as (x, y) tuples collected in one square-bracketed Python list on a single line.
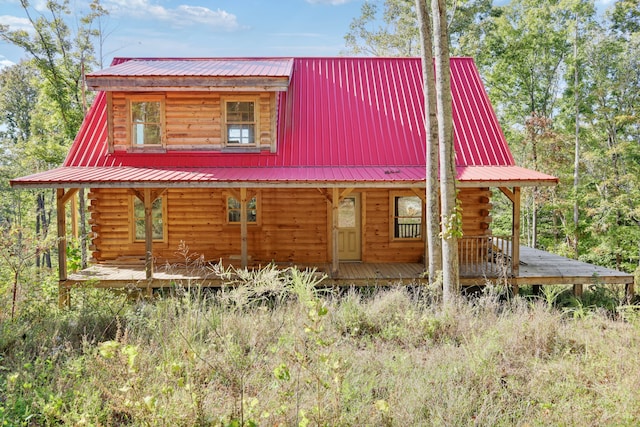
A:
[(241, 123), (146, 122)]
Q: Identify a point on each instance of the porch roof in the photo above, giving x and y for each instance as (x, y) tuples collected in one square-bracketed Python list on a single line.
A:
[(402, 176)]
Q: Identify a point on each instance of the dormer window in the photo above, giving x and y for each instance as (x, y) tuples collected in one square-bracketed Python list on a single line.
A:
[(146, 122), (241, 122)]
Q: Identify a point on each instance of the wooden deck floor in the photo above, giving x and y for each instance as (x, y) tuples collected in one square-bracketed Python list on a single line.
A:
[(537, 268)]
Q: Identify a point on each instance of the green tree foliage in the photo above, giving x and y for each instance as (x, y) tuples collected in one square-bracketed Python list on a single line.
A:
[(17, 100), (544, 62), (612, 192), (43, 104), (625, 17), (61, 54), (393, 31)]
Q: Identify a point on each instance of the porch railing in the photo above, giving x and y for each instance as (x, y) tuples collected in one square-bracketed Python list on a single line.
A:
[(485, 256), (409, 231)]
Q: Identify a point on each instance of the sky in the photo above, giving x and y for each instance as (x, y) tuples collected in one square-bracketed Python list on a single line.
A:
[(197, 28), (214, 28)]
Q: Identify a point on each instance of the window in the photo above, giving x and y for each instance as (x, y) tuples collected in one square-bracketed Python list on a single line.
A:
[(157, 220), (233, 210), (241, 123), (146, 122), (407, 217)]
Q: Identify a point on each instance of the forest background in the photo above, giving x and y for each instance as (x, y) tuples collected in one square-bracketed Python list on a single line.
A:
[(565, 83), (276, 350)]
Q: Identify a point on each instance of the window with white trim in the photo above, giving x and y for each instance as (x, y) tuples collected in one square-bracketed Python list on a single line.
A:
[(146, 121), (240, 122)]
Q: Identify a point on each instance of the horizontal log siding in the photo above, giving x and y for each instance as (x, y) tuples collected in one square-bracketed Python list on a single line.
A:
[(476, 211), (378, 245), (120, 119), (193, 120), (293, 226)]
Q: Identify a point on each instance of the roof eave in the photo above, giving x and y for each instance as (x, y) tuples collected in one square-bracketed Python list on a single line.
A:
[(509, 183), (20, 183), (173, 84)]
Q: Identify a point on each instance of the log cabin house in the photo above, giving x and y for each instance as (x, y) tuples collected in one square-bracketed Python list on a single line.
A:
[(308, 161)]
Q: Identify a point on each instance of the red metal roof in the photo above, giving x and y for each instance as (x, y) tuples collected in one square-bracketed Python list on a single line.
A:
[(341, 120), (198, 67)]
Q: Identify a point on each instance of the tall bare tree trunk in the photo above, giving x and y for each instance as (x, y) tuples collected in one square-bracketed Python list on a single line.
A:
[(433, 253), (576, 161), (451, 226)]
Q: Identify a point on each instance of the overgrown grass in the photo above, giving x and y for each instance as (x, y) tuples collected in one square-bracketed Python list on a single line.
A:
[(276, 350)]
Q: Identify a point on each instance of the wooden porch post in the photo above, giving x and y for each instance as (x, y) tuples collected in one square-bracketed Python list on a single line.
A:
[(63, 292), (148, 233), (515, 232), (335, 204), (74, 217), (62, 197), (629, 292), (577, 290), (514, 197), (244, 258)]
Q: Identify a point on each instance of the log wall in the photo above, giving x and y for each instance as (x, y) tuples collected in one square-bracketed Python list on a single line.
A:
[(193, 120), (378, 246), (293, 226)]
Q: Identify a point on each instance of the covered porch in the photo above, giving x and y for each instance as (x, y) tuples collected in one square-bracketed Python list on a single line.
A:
[(536, 268)]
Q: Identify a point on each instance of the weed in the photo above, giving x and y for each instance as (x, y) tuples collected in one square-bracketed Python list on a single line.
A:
[(271, 348)]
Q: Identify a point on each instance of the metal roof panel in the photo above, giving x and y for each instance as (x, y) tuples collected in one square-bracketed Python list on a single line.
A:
[(348, 116), (197, 67)]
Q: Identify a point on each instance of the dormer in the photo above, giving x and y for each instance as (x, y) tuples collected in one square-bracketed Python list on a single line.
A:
[(225, 105)]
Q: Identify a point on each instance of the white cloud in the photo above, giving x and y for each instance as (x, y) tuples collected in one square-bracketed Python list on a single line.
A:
[(5, 63), (182, 16), (331, 2), (16, 23)]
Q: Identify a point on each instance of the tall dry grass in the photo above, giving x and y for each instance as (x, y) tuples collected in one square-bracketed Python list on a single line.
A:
[(276, 350)]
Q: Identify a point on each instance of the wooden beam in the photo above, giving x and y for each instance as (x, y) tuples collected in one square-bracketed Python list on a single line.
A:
[(181, 83), (515, 233), (63, 293), (74, 217), (335, 205), (577, 290), (345, 193), (363, 226), (139, 194), (420, 193), (68, 194), (148, 232), (629, 292), (508, 193), (244, 258), (110, 122)]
